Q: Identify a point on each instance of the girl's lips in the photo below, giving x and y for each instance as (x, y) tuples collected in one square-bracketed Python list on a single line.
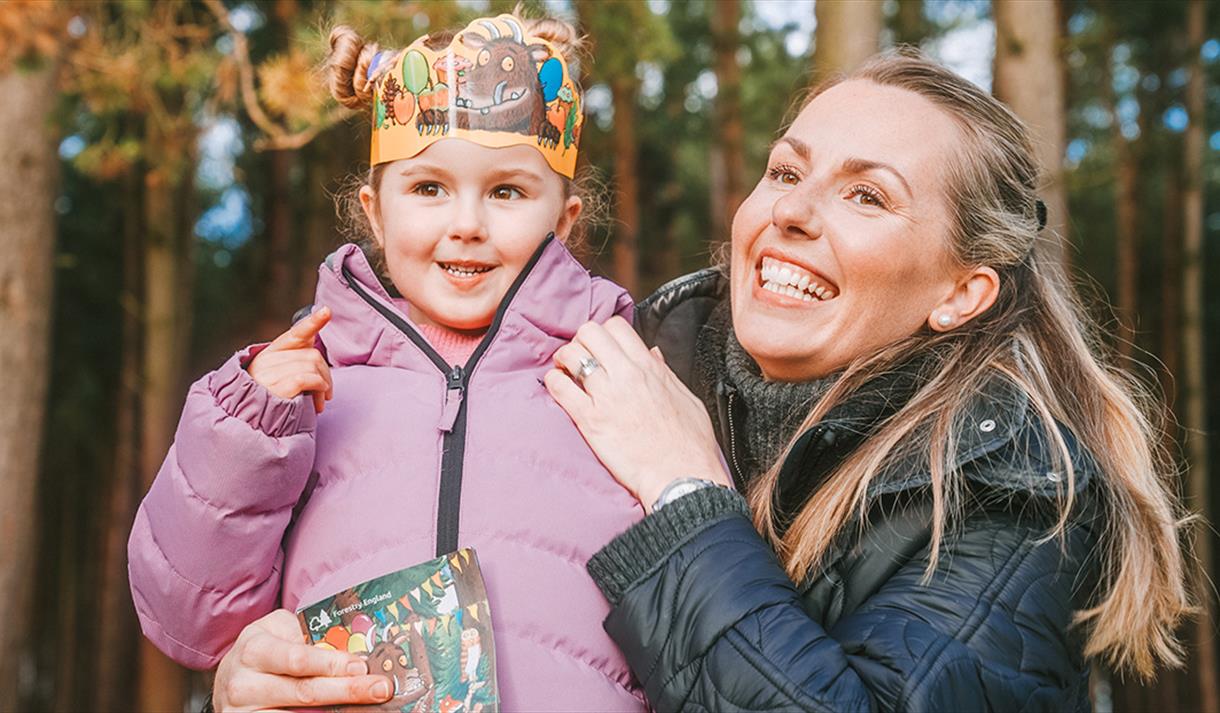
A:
[(465, 274)]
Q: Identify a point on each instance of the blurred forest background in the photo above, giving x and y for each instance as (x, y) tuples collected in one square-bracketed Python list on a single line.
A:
[(166, 195)]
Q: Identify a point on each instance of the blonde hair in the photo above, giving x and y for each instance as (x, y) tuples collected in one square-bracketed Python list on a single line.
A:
[(347, 77), (1036, 336)]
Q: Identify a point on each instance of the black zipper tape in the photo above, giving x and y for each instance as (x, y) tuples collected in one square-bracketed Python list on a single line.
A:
[(453, 444)]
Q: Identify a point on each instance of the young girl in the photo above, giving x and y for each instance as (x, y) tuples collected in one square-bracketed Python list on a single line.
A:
[(405, 417)]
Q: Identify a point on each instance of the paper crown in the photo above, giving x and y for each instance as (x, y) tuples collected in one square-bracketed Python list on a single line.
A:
[(493, 85)]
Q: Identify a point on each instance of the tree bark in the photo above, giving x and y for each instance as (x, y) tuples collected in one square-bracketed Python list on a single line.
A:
[(910, 27), (278, 286), (1194, 388), (117, 631), (162, 682), (626, 185), (728, 145), (28, 184), (847, 33), (1029, 78)]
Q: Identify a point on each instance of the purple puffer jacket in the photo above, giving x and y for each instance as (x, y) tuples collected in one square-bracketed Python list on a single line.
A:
[(413, 458)]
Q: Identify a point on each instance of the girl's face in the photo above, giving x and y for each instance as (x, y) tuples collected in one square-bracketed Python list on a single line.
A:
[(842, 246), (459, 221)]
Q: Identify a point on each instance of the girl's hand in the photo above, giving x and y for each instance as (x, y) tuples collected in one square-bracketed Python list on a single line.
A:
[(269, 667), (647, 428), (292, 364)]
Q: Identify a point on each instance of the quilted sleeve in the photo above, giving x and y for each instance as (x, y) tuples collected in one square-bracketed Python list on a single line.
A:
[(715, 624), (204, 554)]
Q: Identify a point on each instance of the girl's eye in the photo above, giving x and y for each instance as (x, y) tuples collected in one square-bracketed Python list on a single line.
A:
[(784, 174), (428, 189), (866, 195), (505, 193)]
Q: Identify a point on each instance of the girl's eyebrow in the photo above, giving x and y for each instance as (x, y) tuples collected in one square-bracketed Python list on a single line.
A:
[(424, 167), (513, 174)]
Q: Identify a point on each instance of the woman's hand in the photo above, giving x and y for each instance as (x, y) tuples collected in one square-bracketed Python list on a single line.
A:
[(647, 428), (292, 364), (270, 667)]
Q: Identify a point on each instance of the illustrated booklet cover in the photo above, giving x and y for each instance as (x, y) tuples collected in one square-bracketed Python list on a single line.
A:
[(427, 628)]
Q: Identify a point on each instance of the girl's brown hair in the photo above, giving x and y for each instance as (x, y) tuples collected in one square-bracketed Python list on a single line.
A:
[(347, 76), (1038, 337)]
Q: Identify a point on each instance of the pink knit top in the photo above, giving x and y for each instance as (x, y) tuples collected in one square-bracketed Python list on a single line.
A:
[(454, 347)]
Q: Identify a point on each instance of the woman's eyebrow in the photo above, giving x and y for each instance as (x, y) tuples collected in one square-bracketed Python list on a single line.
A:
[(861, 165), (800, 147)]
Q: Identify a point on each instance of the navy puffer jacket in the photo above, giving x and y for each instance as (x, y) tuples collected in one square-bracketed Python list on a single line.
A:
[(708, 619)]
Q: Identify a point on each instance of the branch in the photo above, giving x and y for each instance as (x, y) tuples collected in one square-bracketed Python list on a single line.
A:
[(277, 136)]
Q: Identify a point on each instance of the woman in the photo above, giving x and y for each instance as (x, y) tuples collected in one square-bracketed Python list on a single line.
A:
[(971, 502)]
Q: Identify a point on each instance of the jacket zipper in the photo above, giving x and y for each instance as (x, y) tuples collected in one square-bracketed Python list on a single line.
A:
[(453, 413), (726, 392)]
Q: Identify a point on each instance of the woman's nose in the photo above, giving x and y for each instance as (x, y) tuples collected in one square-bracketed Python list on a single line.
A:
[(796, 215)]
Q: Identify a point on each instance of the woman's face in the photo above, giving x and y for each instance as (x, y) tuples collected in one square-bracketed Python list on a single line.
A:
[(842, 246), (459, 221)]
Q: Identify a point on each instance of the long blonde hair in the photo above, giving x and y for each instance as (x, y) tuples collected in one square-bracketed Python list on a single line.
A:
[(1038, 337)]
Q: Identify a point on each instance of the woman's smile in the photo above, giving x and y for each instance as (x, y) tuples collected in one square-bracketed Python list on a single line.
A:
[(791, 282)]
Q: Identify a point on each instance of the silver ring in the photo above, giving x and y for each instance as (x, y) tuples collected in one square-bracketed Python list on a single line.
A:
[(588, 365)]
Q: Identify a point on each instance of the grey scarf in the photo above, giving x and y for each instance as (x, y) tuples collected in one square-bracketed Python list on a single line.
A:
[(772, 409)]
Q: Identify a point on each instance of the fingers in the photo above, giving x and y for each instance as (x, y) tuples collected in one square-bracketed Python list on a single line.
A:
[(627, 338), (568, 395), (603, 347), (570, 357), (288, 373), (302, 333), (250, 690)]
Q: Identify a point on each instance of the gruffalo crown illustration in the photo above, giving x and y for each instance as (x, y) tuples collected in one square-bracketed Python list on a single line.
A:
[(493, 85)]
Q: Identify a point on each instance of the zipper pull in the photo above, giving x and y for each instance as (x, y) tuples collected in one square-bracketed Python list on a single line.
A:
[(453, 398)]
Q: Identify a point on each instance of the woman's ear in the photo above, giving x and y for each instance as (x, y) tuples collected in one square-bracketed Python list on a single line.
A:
[(368, 201), (567, 219), (973, 295)]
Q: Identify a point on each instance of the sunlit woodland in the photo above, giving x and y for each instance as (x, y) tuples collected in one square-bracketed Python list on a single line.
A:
[(168, 191)]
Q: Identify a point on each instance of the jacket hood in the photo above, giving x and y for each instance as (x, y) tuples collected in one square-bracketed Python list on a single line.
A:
[(551, 298)]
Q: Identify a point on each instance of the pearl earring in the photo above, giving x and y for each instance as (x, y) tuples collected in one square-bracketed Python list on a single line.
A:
[(944, 320)]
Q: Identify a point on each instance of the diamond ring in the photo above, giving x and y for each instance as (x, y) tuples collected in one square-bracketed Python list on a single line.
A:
[(588, 365)]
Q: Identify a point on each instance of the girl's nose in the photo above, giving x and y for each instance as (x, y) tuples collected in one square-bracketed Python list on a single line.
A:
[(468, 222), (797, 215)]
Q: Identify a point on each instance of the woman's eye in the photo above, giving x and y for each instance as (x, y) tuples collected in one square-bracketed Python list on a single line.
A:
[(428, 190), (784, 174), (866, 195), (505, 193)]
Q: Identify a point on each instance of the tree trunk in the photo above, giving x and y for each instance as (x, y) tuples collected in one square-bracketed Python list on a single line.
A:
[(162, 682), (117, 632), (278, 286), (626, 185), (1194, 388), (1171, 292), (848, 32), (728, 144), (1029, 79), (1126, 214), (910, 27), (28, 180)]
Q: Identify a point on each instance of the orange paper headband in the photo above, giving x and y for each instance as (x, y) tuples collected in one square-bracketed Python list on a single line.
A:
[(492, 85)]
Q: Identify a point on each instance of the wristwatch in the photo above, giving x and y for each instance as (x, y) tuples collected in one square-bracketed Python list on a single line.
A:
[(680, 487)]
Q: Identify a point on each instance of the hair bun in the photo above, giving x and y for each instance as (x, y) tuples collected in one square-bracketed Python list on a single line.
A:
[(348, 68)]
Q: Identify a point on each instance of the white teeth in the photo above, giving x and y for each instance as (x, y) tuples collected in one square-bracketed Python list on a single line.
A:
[(464, 271), (786, 279)]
